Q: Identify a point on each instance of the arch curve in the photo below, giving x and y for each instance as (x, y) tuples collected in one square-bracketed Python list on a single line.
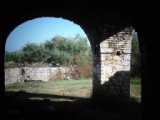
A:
[(100, 20)]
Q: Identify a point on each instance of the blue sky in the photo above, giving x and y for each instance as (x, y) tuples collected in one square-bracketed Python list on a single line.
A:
[(40, 29)]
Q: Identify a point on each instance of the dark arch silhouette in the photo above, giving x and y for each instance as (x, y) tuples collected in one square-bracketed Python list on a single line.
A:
[(99, 20)]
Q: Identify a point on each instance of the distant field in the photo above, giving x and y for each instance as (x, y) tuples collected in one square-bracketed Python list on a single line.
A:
[(73, 88)]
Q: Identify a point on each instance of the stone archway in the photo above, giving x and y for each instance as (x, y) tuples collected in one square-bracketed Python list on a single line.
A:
[(112, 63), (100, 20)]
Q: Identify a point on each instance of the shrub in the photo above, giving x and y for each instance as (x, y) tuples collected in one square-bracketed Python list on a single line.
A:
[(135, 80)]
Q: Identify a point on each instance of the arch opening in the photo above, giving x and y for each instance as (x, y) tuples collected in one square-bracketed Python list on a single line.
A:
[(117, 53), (80, 55)]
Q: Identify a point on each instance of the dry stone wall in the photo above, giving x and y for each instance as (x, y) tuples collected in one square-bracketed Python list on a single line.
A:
[(14, 75), (115, 62)]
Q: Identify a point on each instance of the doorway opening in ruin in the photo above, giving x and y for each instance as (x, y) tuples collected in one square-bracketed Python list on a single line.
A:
[(135, 70), (135, 56)]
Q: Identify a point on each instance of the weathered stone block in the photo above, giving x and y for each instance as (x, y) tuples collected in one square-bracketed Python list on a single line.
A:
[(115, 61)]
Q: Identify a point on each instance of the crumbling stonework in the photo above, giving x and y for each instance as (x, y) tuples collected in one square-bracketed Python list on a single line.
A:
[(12, 75), (15, 75), (115, 62)]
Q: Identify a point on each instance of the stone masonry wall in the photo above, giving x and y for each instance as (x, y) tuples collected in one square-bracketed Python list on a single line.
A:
[(12, 75), (115, 62), (15, 75)]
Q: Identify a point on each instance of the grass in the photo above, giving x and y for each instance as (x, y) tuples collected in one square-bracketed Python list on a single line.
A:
[(135, 88), (76, 88), (70, 98)]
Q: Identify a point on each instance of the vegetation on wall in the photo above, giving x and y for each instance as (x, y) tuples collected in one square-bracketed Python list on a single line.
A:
[(70, 51)]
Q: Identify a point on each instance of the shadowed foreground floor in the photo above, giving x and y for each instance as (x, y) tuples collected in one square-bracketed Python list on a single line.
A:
[(18, 106)]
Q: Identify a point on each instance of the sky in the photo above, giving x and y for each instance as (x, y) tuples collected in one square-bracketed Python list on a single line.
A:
[(39, 30)]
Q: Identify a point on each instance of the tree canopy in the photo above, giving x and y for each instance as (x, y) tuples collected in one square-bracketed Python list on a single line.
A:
[(58, 49)]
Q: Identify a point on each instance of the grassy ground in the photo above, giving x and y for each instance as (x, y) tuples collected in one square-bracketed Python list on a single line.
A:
[(63, 100)]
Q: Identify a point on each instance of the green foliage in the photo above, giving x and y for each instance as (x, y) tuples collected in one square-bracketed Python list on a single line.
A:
[(67, 51), (33, 53), (16, 56), (63, 50), (7, 56), (135, 80), (58, 50), (135, 57), (135, 50)]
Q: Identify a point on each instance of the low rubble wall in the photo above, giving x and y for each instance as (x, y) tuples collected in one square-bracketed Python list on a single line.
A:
[(14, 75)]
